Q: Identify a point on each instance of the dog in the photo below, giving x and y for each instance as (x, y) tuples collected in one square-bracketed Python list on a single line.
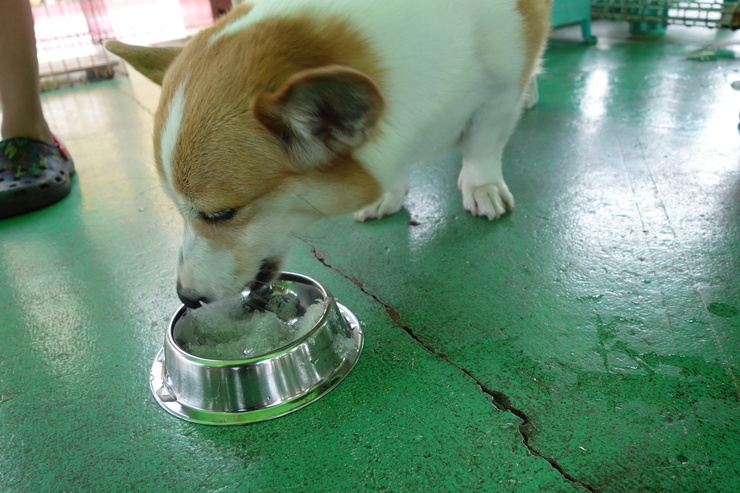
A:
[(288, 111)]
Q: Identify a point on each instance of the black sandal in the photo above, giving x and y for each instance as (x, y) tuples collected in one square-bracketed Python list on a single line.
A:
[(33, 174)]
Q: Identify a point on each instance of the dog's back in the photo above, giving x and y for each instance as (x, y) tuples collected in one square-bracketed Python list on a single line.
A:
[(437, 60)]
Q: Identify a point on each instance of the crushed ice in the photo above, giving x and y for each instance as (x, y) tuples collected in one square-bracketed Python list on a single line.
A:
[(229, 330)]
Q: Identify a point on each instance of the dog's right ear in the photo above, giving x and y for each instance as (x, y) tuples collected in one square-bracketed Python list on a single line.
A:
[(151, 61), (322, 112)]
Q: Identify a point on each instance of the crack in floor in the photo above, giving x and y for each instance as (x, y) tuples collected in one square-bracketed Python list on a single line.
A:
[(499, 399)]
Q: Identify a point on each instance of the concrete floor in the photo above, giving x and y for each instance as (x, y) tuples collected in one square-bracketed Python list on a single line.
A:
[(590, 339)]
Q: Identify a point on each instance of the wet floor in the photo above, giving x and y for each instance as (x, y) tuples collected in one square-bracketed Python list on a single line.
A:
[(588, 340)]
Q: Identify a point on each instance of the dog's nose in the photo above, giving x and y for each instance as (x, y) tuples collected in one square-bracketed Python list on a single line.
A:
[(189, 297)]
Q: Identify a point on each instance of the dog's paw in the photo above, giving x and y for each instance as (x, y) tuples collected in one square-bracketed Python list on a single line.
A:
[(491, 201), (388, 203), (531, 95)]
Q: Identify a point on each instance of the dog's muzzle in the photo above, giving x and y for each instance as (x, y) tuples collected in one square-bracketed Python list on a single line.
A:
[(190, 297), (268, 271)]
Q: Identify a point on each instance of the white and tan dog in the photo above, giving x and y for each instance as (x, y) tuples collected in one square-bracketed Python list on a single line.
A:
[(287, 111)]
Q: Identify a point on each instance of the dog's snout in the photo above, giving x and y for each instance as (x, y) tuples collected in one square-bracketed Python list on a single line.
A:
[(189, 297)]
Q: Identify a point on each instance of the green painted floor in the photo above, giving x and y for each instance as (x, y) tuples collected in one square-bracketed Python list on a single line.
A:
[(590, 339)]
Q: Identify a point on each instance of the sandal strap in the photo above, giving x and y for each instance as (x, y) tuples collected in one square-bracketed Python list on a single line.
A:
[(22, 156), (33, 174)]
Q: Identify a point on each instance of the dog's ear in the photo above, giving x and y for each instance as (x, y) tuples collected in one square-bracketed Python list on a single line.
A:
[(151, 61), (320, 113)]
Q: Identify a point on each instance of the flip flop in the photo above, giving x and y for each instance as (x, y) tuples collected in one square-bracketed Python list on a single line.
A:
[(33, 174)]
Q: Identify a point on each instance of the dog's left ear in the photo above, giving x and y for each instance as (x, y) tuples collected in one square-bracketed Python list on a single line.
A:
[(320, 113), (151, 61)]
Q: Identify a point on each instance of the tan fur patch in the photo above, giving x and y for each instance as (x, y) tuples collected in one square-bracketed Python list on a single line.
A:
[(152, 63), (225, 158), (341, 189), (536, 29), (347, 187)]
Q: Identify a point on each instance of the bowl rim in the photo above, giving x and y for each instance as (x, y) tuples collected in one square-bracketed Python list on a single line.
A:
[(292, 276)]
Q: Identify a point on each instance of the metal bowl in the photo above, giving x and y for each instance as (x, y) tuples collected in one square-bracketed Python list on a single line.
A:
[(232, 392)]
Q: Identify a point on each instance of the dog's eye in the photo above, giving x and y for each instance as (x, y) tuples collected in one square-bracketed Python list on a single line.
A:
[(220, 215)]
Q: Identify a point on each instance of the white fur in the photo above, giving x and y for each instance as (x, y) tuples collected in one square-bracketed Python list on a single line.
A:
[(389, 202), (202, 258), (171, 131), (444, 59)]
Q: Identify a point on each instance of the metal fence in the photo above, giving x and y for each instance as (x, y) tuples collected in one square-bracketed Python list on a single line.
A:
[(707, 13), (70, 33)]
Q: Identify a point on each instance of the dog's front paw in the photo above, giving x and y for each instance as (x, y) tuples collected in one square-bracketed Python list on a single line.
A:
[(491, 201), (388, 203)]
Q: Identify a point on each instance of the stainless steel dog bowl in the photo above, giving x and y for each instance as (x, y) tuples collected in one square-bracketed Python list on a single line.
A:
[(232, 392)]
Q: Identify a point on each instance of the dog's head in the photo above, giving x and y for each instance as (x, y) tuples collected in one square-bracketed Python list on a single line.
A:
[(254, 138)]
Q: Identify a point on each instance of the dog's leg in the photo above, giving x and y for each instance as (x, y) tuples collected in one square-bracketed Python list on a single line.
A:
[(388, 203), (482, 183), (532, 94)]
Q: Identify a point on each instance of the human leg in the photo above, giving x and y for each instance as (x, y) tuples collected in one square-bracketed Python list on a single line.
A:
[(19, 74), (35, 170)]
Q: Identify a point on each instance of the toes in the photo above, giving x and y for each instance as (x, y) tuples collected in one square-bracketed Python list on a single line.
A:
[(490, 201), (389, 203), (507, 200), (370, 213), (385, 207)]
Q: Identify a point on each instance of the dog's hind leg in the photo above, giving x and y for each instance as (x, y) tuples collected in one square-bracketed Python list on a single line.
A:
[(532, 94), (388, 203), (481, 180)]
